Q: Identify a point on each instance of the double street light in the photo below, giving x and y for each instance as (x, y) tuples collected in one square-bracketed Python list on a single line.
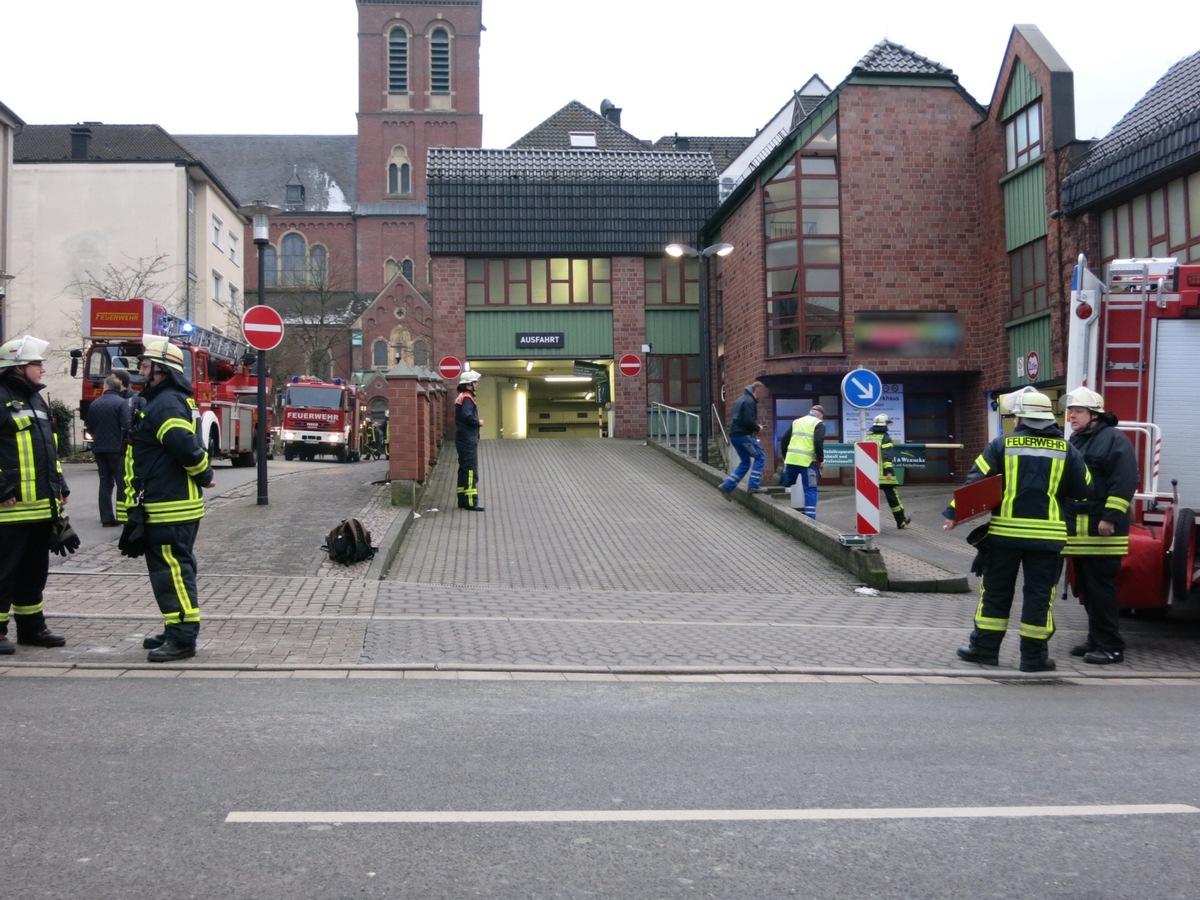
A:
[(677, 251), (259, 213)]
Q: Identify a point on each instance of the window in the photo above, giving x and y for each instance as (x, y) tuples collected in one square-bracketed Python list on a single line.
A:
[(270, 261), (539, 282), (439, 61), (582, 138), (292, 271), (1028, 266), (399, 172), (1023, 136), (802, 227), (318, 260), (390, 270), (406, 268), (672, 282), (233, 247), (1164, 222), (379, 355), (235, 299), (218, 229), (217, 281), (398, 61), (673, 380)]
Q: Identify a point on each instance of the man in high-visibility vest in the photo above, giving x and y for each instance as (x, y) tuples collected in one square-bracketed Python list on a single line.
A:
[(887, 468), (803, 446), (1042, 473), (1098, 529)]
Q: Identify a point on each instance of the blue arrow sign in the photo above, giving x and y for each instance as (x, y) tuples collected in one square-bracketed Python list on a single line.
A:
[(862, 388)]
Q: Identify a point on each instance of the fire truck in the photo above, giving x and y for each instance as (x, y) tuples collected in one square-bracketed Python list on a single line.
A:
[(1134, 336), (219, 368), (322, 418)]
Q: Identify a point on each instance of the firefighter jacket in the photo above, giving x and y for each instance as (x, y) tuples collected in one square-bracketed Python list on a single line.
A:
[(466, 418), (887, 454), (1042, 474), (743, 418), (165, 466), (29, 466), (1112, 461), (804, 442)]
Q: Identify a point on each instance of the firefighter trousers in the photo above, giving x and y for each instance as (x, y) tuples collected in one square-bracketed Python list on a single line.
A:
[(468, 473), (24, 566), (171, 562), (1040, 570), (894, 504), (1096, 584)]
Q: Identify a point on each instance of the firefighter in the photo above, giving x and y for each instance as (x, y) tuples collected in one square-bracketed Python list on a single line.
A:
[(1042, 473), (887, 468), (466, 441), (1098, 529), (165, 469), (32, 493)]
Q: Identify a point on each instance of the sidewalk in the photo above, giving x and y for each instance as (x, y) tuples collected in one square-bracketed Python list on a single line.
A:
[(593, 559)]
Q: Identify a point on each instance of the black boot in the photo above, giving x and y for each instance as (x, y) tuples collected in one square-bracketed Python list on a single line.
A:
[(170, 651), (154, 641), (41, 638), (6, 646), (1035, 656), (983, 648)]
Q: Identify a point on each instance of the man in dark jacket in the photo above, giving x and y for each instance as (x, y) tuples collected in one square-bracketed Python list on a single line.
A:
[(1098, 529), (466, 441), (165, 472), (743, 435), (1042, 474), (108, 420), (32, 493)]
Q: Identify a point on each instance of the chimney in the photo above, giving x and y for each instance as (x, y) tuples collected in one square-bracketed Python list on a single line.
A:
[(610, 112), (81, 143), (681, 143)]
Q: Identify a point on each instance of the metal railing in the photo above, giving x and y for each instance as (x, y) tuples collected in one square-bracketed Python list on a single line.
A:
[(679, 429)]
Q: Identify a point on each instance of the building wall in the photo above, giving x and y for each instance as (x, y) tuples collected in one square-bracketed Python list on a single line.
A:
[(7, 126)]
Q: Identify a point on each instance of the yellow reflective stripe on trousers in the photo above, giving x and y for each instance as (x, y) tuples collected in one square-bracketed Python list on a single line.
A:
[(187, 612)]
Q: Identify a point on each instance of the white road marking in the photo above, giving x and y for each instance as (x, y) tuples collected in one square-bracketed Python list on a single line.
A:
[(478, 817)]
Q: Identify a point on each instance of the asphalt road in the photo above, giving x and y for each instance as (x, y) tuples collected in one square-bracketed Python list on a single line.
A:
[(125, 788)]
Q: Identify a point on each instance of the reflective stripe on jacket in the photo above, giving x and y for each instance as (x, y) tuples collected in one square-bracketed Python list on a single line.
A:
[(887, 455), (30, 470), (802, 448), (1112, 461)]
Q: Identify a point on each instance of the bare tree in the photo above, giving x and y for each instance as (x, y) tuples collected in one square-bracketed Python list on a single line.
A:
[(140, 277), (318, 311)]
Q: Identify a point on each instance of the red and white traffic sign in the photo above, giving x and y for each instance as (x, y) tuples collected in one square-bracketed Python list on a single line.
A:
[(263, 327), (629, 364), (1033, 365), (449, 367)]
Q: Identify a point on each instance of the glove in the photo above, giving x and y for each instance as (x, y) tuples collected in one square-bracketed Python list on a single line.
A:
[(132, 542), (63, 539)]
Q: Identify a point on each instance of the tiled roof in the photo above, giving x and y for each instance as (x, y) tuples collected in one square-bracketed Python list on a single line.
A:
[(567, 202), (723, 150), (889, 58), (259, 166), (109, 143), (555, 132), (1160, 134)]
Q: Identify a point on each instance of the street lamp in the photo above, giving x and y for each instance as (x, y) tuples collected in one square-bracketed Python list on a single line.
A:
[(5, 278), (678, 250), (259, 213)]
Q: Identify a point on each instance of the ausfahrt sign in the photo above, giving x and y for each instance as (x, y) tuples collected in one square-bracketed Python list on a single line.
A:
[(263, 327), (449, 367), (629, 364)]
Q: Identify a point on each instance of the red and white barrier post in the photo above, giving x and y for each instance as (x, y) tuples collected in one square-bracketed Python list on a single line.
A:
[(866, 486)]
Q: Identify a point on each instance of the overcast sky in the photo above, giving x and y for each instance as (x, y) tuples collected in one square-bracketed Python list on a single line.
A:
[(275, 67)]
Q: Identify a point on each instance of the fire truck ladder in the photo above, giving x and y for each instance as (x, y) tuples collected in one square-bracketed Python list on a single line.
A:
[(219, 346), (1133, 284)]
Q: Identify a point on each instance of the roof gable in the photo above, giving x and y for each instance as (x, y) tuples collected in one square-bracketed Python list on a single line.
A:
[(555, 132)]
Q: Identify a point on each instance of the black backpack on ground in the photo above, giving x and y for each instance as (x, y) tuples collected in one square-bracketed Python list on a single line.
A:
[(349, 542)]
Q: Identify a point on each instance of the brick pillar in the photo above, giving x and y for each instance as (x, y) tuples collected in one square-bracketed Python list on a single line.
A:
[(407, 465), (629, 333)]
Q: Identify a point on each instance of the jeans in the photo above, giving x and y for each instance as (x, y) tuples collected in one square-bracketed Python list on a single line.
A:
[(807, 476), (750, 459)]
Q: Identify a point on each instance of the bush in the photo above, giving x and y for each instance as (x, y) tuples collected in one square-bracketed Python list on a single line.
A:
[(63, 418)]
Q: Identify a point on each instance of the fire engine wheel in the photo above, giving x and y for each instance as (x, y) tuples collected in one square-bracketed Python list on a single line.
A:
[(288, 455), (1183, 555), (341, 454)]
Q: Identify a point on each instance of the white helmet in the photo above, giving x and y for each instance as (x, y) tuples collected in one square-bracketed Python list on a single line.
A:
[(882, 419), (469, 377), (1027, 403), (160, 350), (1085, 397), (22, 350)]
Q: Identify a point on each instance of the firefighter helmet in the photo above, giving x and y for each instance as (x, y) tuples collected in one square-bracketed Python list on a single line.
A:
[(881, 419), (1085, 397), (160, 350), (469, 377), (21, 351), (1028, 404)]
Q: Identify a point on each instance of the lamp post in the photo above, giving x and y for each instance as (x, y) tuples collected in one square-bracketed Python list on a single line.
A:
[(5, 278), (259, 213), (678, 250)]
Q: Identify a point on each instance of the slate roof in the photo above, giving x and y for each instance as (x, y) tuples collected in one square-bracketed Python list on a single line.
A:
[(1158, 138), (259, 166), (566, 202), (890, 58), (723, 150), (555, 132)]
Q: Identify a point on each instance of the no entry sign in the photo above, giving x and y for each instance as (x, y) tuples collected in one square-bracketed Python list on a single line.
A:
[(629, 364), (449, 367), (263, 327)]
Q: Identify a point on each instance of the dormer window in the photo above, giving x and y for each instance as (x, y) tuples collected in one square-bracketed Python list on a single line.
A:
[(583, 138), (295, 191)]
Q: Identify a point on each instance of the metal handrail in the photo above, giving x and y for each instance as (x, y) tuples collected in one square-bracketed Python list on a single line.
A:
[(669, 433), (715, 416)]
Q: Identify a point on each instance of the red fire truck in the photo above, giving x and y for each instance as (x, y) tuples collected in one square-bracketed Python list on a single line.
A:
[(219, 368), (1134, 337), (322, 417)]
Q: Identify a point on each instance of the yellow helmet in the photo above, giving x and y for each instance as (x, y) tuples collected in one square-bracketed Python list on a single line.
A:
[(22, 350), (160, 350), (1084, 397)]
